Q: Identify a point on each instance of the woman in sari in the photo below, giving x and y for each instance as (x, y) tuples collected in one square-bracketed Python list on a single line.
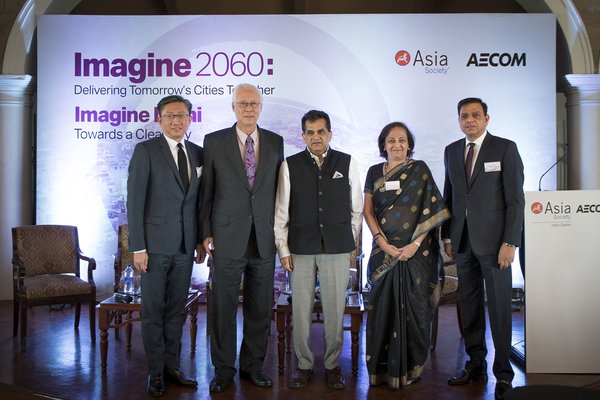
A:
[(403, 206)]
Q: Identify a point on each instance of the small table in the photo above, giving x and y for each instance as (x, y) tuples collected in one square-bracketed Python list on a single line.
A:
[(283, 312), (110, 308)]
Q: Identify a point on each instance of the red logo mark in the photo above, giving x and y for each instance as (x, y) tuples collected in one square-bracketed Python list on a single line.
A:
[(537, 207), (402, 57)]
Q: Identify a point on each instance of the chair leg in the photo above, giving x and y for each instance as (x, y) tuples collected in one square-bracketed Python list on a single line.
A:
[(128, 328), (434, 329), (77, 314), (16, 305), (459, 318), (92, 317), (23, 318), (208, 313)]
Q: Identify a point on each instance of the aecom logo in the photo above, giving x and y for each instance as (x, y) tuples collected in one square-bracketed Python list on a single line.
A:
[(497, 60)]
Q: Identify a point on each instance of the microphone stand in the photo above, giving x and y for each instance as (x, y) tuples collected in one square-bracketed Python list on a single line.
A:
[(566, 146)]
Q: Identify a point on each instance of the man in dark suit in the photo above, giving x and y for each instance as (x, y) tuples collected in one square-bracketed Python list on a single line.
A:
[(484, 192), (162, 213), (238, 199)]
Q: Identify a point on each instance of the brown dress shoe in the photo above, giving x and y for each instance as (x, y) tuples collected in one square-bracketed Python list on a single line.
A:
[(335, 379), (300, 378)]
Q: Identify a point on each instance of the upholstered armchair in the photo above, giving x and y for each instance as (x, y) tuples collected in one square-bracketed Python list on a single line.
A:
[(46, 262)]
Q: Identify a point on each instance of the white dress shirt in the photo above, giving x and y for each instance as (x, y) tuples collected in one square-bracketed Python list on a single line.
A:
[(282, 204)]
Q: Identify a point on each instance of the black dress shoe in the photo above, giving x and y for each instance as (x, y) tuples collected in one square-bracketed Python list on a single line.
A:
[(258, 378), (180, 379), (466, 376), (501, 388), (220, 382), (156, 385)]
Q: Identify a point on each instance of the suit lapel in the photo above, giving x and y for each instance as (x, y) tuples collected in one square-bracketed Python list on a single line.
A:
[(264, 154), (194, 180), (459, 157), (166, 151), (232, 149), (486, 148)]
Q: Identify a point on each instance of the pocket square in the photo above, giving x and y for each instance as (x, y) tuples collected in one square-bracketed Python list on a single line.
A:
[(337, 175), (198, 172)]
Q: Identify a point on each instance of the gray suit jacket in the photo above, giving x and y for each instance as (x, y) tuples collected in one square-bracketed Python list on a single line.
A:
[(229, 206), (159, 213), (494, 200)]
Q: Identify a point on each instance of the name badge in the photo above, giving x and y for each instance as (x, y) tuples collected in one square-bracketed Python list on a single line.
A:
[(492, 166), (392, 185)]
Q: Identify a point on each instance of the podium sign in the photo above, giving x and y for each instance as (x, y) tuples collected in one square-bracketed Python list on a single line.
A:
[(562, 322)]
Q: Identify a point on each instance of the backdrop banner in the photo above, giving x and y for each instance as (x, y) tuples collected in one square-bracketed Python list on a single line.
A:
[(100, 78)]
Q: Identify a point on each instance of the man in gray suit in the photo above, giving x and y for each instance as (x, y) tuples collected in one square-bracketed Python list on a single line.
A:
[(484, 192), (162, 213), (238, 200)]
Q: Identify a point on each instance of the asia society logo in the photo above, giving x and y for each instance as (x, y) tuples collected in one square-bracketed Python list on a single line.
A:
[(562, 208), (431, 63), (402, 57), (497, 60)]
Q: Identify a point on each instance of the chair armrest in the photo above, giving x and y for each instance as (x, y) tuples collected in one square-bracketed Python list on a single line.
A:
[(91, 267), (18, 274)]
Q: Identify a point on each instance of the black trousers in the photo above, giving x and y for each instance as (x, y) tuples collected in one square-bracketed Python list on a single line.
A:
[(258, 274), (473, 271), (165, 288)]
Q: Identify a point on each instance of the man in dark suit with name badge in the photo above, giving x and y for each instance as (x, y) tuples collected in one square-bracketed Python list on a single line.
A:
[(238, 201), (162, 213), (484, 192)]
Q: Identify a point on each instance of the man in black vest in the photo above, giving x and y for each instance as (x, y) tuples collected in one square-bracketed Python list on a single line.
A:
[(318, 213)]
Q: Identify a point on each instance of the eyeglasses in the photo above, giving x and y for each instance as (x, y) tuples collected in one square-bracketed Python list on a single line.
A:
[(245, 104), (173, 117)]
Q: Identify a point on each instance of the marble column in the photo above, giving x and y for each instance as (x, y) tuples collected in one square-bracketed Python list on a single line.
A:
[(16, 167), (583, 131)]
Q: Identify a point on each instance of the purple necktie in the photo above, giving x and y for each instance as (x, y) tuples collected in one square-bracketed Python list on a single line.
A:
[(250, 161), (469, 161)]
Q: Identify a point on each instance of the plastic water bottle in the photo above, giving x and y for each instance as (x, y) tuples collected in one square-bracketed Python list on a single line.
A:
[(128, 280)]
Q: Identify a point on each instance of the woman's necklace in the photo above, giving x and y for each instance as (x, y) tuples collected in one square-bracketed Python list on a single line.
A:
[(386, 168)]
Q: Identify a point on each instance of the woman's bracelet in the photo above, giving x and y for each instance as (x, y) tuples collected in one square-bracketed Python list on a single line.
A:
[(417, 243), (378, 234)]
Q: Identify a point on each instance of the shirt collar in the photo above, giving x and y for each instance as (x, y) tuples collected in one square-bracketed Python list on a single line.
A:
[(315, 156), (173, 143), (242, 136), (477, 141)]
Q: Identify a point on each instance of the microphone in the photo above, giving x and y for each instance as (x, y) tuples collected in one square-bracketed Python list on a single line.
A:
[(566, 147)]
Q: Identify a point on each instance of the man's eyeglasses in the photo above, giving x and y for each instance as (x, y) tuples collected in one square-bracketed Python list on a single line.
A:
[(245, 104), (173, 117)]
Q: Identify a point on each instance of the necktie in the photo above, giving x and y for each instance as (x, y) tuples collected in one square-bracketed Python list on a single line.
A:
[(250, 161), (183, 167), (469, 161)]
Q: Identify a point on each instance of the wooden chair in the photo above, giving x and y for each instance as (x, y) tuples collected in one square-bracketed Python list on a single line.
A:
[(449, 294), (46, 271), (122, 258)]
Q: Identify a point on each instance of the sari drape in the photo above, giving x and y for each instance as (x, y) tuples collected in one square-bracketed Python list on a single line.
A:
[(403, 293)]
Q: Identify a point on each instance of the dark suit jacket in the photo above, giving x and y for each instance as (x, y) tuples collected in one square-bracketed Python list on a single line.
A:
[(158, 210), (494, 199), (229, 206)]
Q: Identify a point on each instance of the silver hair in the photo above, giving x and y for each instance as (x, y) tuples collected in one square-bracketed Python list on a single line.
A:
[(245, 86)]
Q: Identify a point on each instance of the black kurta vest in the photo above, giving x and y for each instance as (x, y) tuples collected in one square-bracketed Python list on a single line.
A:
[(320, 204)]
